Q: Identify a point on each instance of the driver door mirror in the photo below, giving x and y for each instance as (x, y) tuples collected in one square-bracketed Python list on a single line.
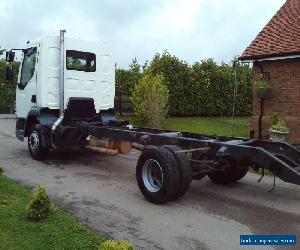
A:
[(10, 56), (9, 72)]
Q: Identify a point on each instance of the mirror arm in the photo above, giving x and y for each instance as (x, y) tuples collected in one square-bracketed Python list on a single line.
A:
[(16, 49)]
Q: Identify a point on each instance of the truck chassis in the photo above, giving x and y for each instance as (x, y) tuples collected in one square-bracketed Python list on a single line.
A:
[(170, 160)]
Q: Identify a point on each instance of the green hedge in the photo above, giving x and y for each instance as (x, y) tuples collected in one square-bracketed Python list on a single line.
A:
[(7, 98), (7, 89), (205, 88)]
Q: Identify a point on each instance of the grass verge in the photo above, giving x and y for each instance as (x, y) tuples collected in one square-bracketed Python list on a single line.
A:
[(205, 125), (210, 125), (60, 231)]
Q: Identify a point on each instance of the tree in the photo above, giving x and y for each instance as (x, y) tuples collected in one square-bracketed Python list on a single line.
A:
[(177, 78), (2, 51), (150, 99), (127, 79)]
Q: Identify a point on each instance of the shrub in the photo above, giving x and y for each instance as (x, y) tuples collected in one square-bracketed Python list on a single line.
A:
[(275, 118), (1, 170), (150, 100), (115, 245), (7, 98), (7, 88), (39, 207), (280, 126)]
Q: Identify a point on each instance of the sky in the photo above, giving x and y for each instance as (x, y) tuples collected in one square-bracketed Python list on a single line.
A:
[(192, 30)]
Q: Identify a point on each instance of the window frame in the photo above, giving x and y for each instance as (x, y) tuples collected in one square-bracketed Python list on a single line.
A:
[(93, 68), (22, 85)]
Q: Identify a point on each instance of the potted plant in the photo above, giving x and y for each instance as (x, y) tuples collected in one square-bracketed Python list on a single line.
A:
[(279, 132), (262, 88)]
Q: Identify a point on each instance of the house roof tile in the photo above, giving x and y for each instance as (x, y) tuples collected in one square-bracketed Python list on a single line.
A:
[(280, 37)]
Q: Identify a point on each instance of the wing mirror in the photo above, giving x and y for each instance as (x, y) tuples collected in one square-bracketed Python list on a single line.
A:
[(9, 72), (10, 56)]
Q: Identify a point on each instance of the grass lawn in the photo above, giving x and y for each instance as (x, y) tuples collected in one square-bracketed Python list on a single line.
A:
[(205, 125), (210, 125), (60, 231)]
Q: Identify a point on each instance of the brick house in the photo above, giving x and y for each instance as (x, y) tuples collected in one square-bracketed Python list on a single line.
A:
[(275, 54)]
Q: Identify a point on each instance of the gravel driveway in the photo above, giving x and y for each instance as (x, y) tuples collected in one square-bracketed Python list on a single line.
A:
[(102, 192)]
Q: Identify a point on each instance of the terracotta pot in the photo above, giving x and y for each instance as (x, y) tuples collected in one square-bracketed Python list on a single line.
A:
[(262, 93), (278, 136)]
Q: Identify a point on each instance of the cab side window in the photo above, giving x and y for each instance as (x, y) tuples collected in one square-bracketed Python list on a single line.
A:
[(80, 61)]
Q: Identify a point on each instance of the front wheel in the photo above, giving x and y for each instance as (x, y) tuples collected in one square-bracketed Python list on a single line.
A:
[(36, 150)]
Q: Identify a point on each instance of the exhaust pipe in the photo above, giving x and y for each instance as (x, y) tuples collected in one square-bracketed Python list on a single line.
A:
[(61, 86)]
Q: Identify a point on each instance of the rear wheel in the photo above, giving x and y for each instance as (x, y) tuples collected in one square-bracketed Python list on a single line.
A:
[(158, 175), (36, 150), (184, 168), (233, 173)]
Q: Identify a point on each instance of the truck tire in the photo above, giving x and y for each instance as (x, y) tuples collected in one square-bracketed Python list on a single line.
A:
[(36, 150), (158, 175), (185, 170), (233, 174)]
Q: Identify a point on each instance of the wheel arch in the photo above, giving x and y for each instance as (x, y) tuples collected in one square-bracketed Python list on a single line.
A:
[(43, 116)]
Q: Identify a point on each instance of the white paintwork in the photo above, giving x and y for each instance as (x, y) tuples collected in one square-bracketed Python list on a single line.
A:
[(99, 85)]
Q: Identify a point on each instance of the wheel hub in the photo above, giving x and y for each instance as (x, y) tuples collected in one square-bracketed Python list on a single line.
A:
[(34, 141), (152, 175)]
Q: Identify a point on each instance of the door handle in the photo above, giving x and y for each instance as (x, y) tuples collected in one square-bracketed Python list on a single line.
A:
[(33, 98)]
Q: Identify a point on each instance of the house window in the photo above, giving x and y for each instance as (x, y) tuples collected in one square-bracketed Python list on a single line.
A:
[(80, 61)]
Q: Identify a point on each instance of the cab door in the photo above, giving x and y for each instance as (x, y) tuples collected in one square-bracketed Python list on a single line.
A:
[(27, 83)]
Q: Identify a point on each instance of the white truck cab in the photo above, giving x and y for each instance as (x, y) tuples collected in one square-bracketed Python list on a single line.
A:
[(60, 80), (89, 71)]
